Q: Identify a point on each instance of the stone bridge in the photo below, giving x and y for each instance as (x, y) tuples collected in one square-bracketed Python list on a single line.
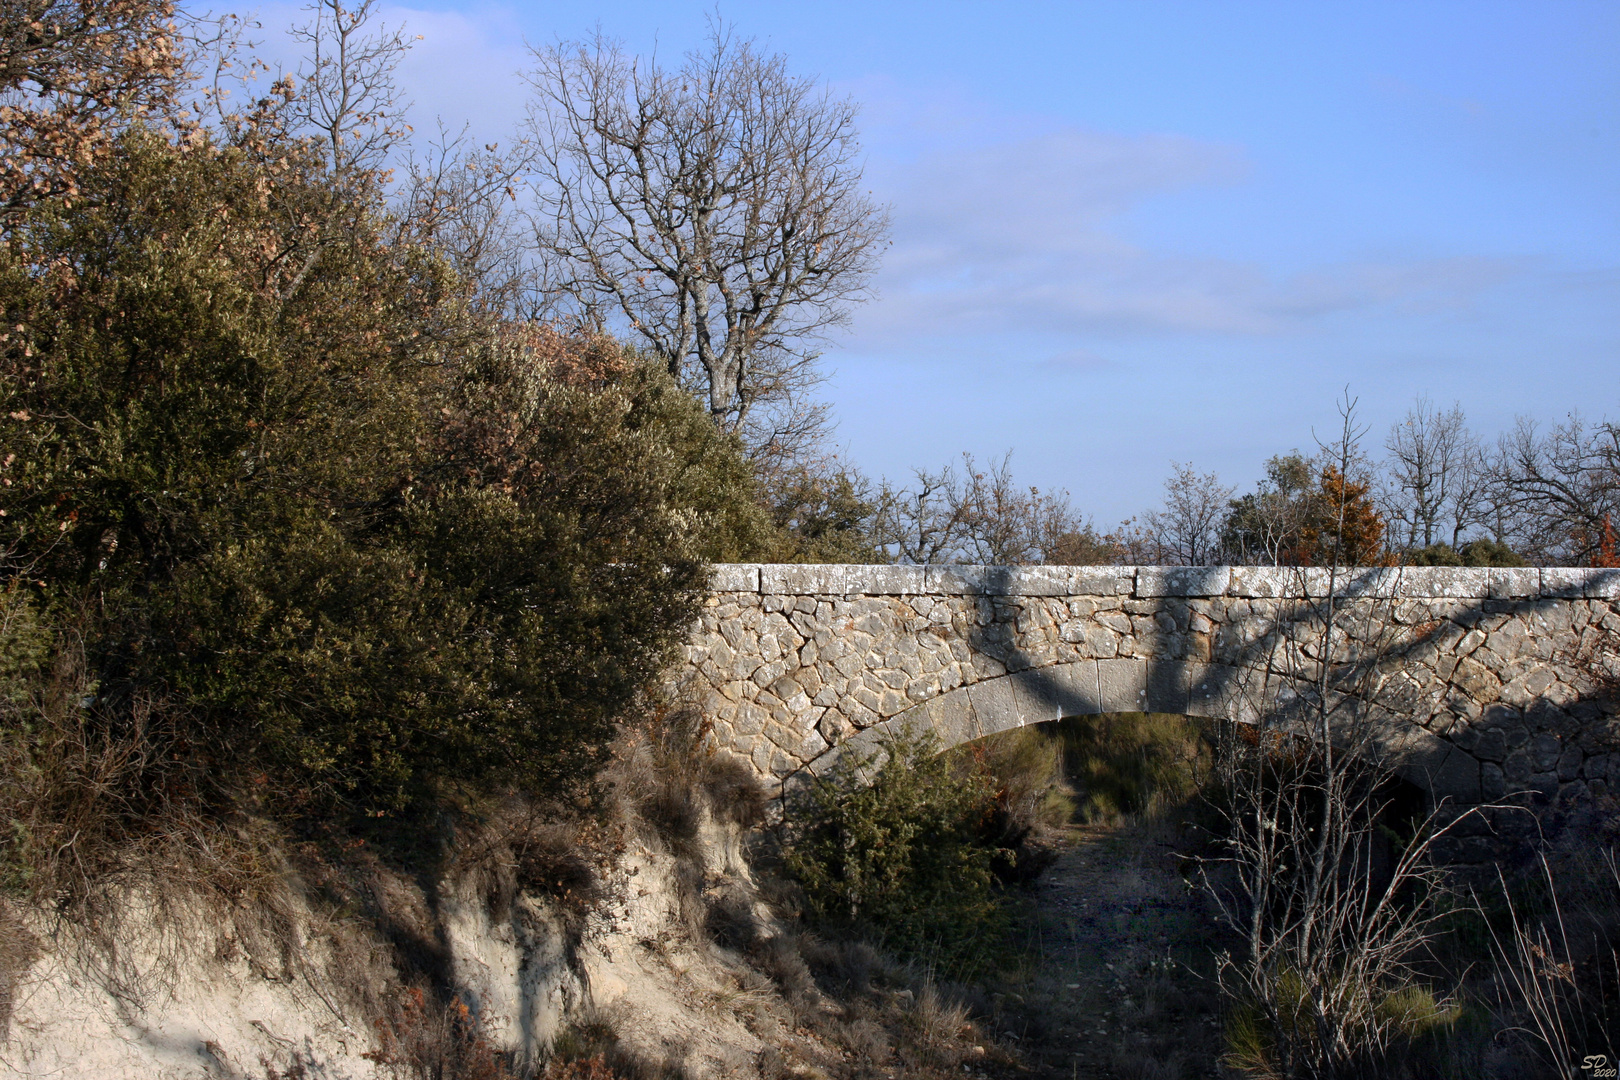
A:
[(1478, 670)]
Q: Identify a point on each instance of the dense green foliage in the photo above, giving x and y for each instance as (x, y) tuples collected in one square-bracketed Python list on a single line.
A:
[(1474, 553), (1130, 764), (905, 858), (263, 462)]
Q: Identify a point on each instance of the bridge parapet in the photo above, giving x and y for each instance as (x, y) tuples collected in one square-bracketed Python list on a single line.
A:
[(795, 665)]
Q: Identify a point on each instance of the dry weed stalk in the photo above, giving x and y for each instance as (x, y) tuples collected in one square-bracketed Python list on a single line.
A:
[(1330, 919), (1548, 1003)]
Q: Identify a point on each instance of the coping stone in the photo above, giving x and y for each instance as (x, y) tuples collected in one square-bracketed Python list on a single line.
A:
[(1603, 584), (882, 580), (1040, 581), (1515, 583), (1183, 580), (1459, 582), (1100, 581), (1563, 582), (998, 580), (734, 577), (809, 579), (1264, 581)]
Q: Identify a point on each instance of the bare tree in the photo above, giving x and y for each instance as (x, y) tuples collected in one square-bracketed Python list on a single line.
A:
[(922, 523), (714, 211), (983, 515), (344, 100), (464, 201), (1005, 524), (1187, 531), (1557, 493), (1267, 525), (347, 91), (1434, 478)]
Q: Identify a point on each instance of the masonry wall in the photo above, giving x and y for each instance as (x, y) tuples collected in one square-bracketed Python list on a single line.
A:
[(795, 665)]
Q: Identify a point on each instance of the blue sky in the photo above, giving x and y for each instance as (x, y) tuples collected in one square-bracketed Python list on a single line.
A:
[(1131, 233)]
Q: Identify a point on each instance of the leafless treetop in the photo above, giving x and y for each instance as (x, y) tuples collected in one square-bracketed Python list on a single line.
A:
[(715, 211)]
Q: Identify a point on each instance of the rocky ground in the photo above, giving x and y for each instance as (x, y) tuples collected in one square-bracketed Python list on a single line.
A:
[(1119, 980)]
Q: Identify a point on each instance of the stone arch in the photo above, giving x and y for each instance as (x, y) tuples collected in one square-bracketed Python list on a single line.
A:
[(794, 666), (1093, 687)]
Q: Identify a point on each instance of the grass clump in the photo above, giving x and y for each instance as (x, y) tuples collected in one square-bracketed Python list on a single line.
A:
[(1134, 764)]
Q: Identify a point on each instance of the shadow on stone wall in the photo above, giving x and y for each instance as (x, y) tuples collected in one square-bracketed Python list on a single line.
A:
[(1518, 727)]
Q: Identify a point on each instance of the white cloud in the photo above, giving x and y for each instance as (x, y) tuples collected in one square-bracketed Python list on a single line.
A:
[(1017, 224), (464, 70)]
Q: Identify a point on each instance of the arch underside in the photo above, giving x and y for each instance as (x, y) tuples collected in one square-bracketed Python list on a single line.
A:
[(1094, 687)]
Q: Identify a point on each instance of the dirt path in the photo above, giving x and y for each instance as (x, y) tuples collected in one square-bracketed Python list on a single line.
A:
[(1118, 986)]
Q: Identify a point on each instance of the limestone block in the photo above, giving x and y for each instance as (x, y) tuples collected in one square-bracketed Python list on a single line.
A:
[(1468, 582), (1265, 581), (1215, 692), (890, 678), (749, 720), (1442, 770), (886, 580), (995, 705), (1370, 582), (923, 687), (734, 578), (859, 714), (1490, 745), (950, 717), (998, 580), (1492, 784), (986, 667), (1528, 688), (810, 746), (766, 674), (1603, 584), (1516, 767), (835, 727), (1563, 582), (1122, 685), (793, 580), (1182, 580), (1039, 581), (1472, 677), (1545, 751), (1100, 581), (1036, 695), (1169, 685), (1514, 582)]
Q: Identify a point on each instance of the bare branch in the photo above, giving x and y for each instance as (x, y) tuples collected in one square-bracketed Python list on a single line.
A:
[(715, 212)]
